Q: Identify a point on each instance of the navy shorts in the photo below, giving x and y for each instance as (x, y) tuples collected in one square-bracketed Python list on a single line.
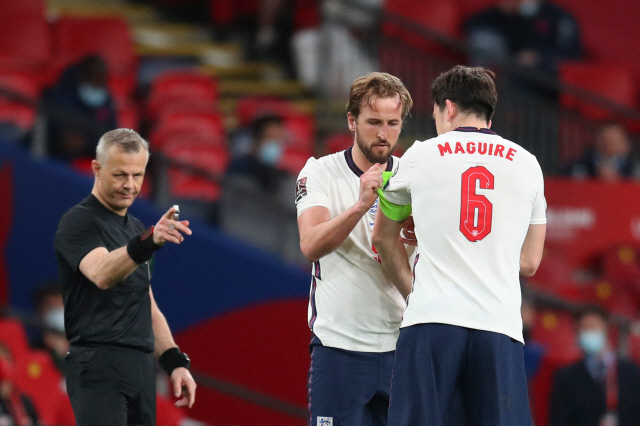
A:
[(348, 388), (434, 361)]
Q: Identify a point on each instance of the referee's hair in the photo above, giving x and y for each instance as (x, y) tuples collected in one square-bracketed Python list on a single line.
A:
[(378, 85), (472, 89), (127, 140)]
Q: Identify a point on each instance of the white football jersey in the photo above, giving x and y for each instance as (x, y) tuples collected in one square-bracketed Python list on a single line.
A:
[(352, 305), (474, 195)]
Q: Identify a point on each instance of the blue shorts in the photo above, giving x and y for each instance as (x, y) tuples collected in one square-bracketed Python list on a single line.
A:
[(348, 388), (434, 361)]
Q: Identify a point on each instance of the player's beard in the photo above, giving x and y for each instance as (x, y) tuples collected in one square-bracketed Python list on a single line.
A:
[(369, 154)]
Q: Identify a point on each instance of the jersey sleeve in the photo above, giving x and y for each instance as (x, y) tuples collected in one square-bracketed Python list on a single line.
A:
[(77, 235), (397, 189), (312, 187), (539, 212)]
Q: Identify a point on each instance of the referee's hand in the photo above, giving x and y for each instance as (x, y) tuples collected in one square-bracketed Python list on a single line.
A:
[(169, 230), (183, 385), (370, 181)]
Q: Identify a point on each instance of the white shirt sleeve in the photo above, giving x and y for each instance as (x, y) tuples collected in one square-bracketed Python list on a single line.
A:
[(312, 187), (398, 189), (539, 212)]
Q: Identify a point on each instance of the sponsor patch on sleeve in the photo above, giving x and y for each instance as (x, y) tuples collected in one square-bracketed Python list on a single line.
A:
[(301, 188)]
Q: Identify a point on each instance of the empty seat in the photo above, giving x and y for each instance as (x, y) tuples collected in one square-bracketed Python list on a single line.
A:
[(25, 84), (185, 105), (175, 86), (612, 82), (13, 335), (23, 7), (338, 142), (555, 330), (127, 115), (209, 164), (24, 42), (17, 114), (189, 127), (247, 109)]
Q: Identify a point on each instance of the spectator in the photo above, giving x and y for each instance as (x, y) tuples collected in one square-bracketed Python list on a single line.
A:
[(610, 160), (269, 138), (600, 389), (50, 309), (533, 351), (16, 408), (533, 34), (82, 90)]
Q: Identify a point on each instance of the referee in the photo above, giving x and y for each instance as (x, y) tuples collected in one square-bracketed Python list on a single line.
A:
[(105, 263)]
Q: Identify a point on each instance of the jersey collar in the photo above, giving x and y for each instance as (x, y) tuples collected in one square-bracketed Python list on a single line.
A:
[(348, 156), (474, 129)]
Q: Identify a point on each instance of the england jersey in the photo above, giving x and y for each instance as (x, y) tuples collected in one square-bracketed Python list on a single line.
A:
[(474, 195), (352, 305)]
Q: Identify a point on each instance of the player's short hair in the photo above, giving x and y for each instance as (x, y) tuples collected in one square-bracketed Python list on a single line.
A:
[(127, 140), (472, 89), (378, 85)]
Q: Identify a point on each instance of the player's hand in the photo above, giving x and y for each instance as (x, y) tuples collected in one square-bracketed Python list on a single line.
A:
[(370, 181), (408, 234), (169, 230), (183, 386)]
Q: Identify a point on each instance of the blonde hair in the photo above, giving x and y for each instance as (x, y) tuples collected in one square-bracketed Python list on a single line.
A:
[(378, 85)]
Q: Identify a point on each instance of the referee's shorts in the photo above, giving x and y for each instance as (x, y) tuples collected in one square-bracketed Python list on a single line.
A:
[(433, 361), (111, 386)]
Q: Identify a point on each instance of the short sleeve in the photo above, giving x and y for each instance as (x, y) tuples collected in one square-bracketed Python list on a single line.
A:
[(77, 235), (312, 187), (397, 189), (539, 212)]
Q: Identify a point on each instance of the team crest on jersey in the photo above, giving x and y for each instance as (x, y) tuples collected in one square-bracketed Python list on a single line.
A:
[(325, 421), (372, 213), (301, 188)]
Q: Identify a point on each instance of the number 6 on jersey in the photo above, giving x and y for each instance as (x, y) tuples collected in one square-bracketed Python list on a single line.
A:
[(476, 210)]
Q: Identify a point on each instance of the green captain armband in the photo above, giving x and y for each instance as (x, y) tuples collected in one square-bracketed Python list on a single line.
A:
[(393, 211)]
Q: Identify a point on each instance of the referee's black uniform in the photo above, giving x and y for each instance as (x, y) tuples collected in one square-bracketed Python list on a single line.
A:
[(111, 368)]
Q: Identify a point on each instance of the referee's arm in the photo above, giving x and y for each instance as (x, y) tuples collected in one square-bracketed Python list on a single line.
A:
[(181, 379)]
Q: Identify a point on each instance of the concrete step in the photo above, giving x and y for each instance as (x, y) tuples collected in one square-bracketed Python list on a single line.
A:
[(285, 89), (135, 14)]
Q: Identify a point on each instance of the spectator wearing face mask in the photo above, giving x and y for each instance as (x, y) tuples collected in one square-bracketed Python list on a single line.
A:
[(16, 408), (269, 138), (601, 389), (50, 309), (82, 109)]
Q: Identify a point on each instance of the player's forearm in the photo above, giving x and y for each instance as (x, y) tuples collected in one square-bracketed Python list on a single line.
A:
[(326, 237), (109, 268)]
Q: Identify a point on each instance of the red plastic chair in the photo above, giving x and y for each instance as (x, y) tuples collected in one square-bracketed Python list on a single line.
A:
[(174, 86), (23, 7), (556, 331), (293, 161), (189, 129), (185, 105), (184, 184), (612, 82), (18, 114), (247, 109), (338, 142), (37, 376), (24, 42), (13, 335), (23, 83), (76, 37), (127, 115), (210, 123)]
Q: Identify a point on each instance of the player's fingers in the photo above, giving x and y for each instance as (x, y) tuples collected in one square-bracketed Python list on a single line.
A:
[(182, 227), (409, 241), (183, 402), (169, 238), (192, 393)]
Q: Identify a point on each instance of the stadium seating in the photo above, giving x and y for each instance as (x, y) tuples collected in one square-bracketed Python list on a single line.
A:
[(76, 37), (24, 43), (181, 86), (615, 83), (23, 7), (338, 142), (13, 335), (249, 108)]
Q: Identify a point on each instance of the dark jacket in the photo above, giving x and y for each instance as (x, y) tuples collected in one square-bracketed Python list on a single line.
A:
[(577, 399)]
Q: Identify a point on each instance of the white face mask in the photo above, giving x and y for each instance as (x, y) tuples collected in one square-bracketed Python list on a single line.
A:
[(93, 96), (592, 341), (529, 8), (270, 152), (54, 318)]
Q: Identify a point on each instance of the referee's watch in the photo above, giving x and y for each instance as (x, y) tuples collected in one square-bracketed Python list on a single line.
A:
[(172, 359)]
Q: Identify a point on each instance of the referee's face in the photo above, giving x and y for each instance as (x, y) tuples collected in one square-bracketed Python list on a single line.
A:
[(377, 128), (119, 180)]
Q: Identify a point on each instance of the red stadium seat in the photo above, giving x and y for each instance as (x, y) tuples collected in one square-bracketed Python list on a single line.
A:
[(36, 375), (293, 161), (189, 128), (76, 37), (621, 266), (17, 114), (555, 330), (23, 7), (184, 184), (209, 123), (13, 335), (301, 129), (338, 142), (24, 42), (128, 115), (247, 109), (609, 81), (185, 105), (23, 83), (176, 86)]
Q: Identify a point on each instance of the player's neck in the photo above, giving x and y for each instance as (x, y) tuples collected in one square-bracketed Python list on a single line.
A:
[(469, 121)]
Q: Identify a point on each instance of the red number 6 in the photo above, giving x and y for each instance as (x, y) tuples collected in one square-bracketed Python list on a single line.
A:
[(476, 210)]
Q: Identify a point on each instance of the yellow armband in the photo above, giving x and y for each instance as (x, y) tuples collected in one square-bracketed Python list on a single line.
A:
[(393, 211)]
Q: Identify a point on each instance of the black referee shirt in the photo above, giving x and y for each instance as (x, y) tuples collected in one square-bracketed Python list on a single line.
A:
[(120, 315)]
